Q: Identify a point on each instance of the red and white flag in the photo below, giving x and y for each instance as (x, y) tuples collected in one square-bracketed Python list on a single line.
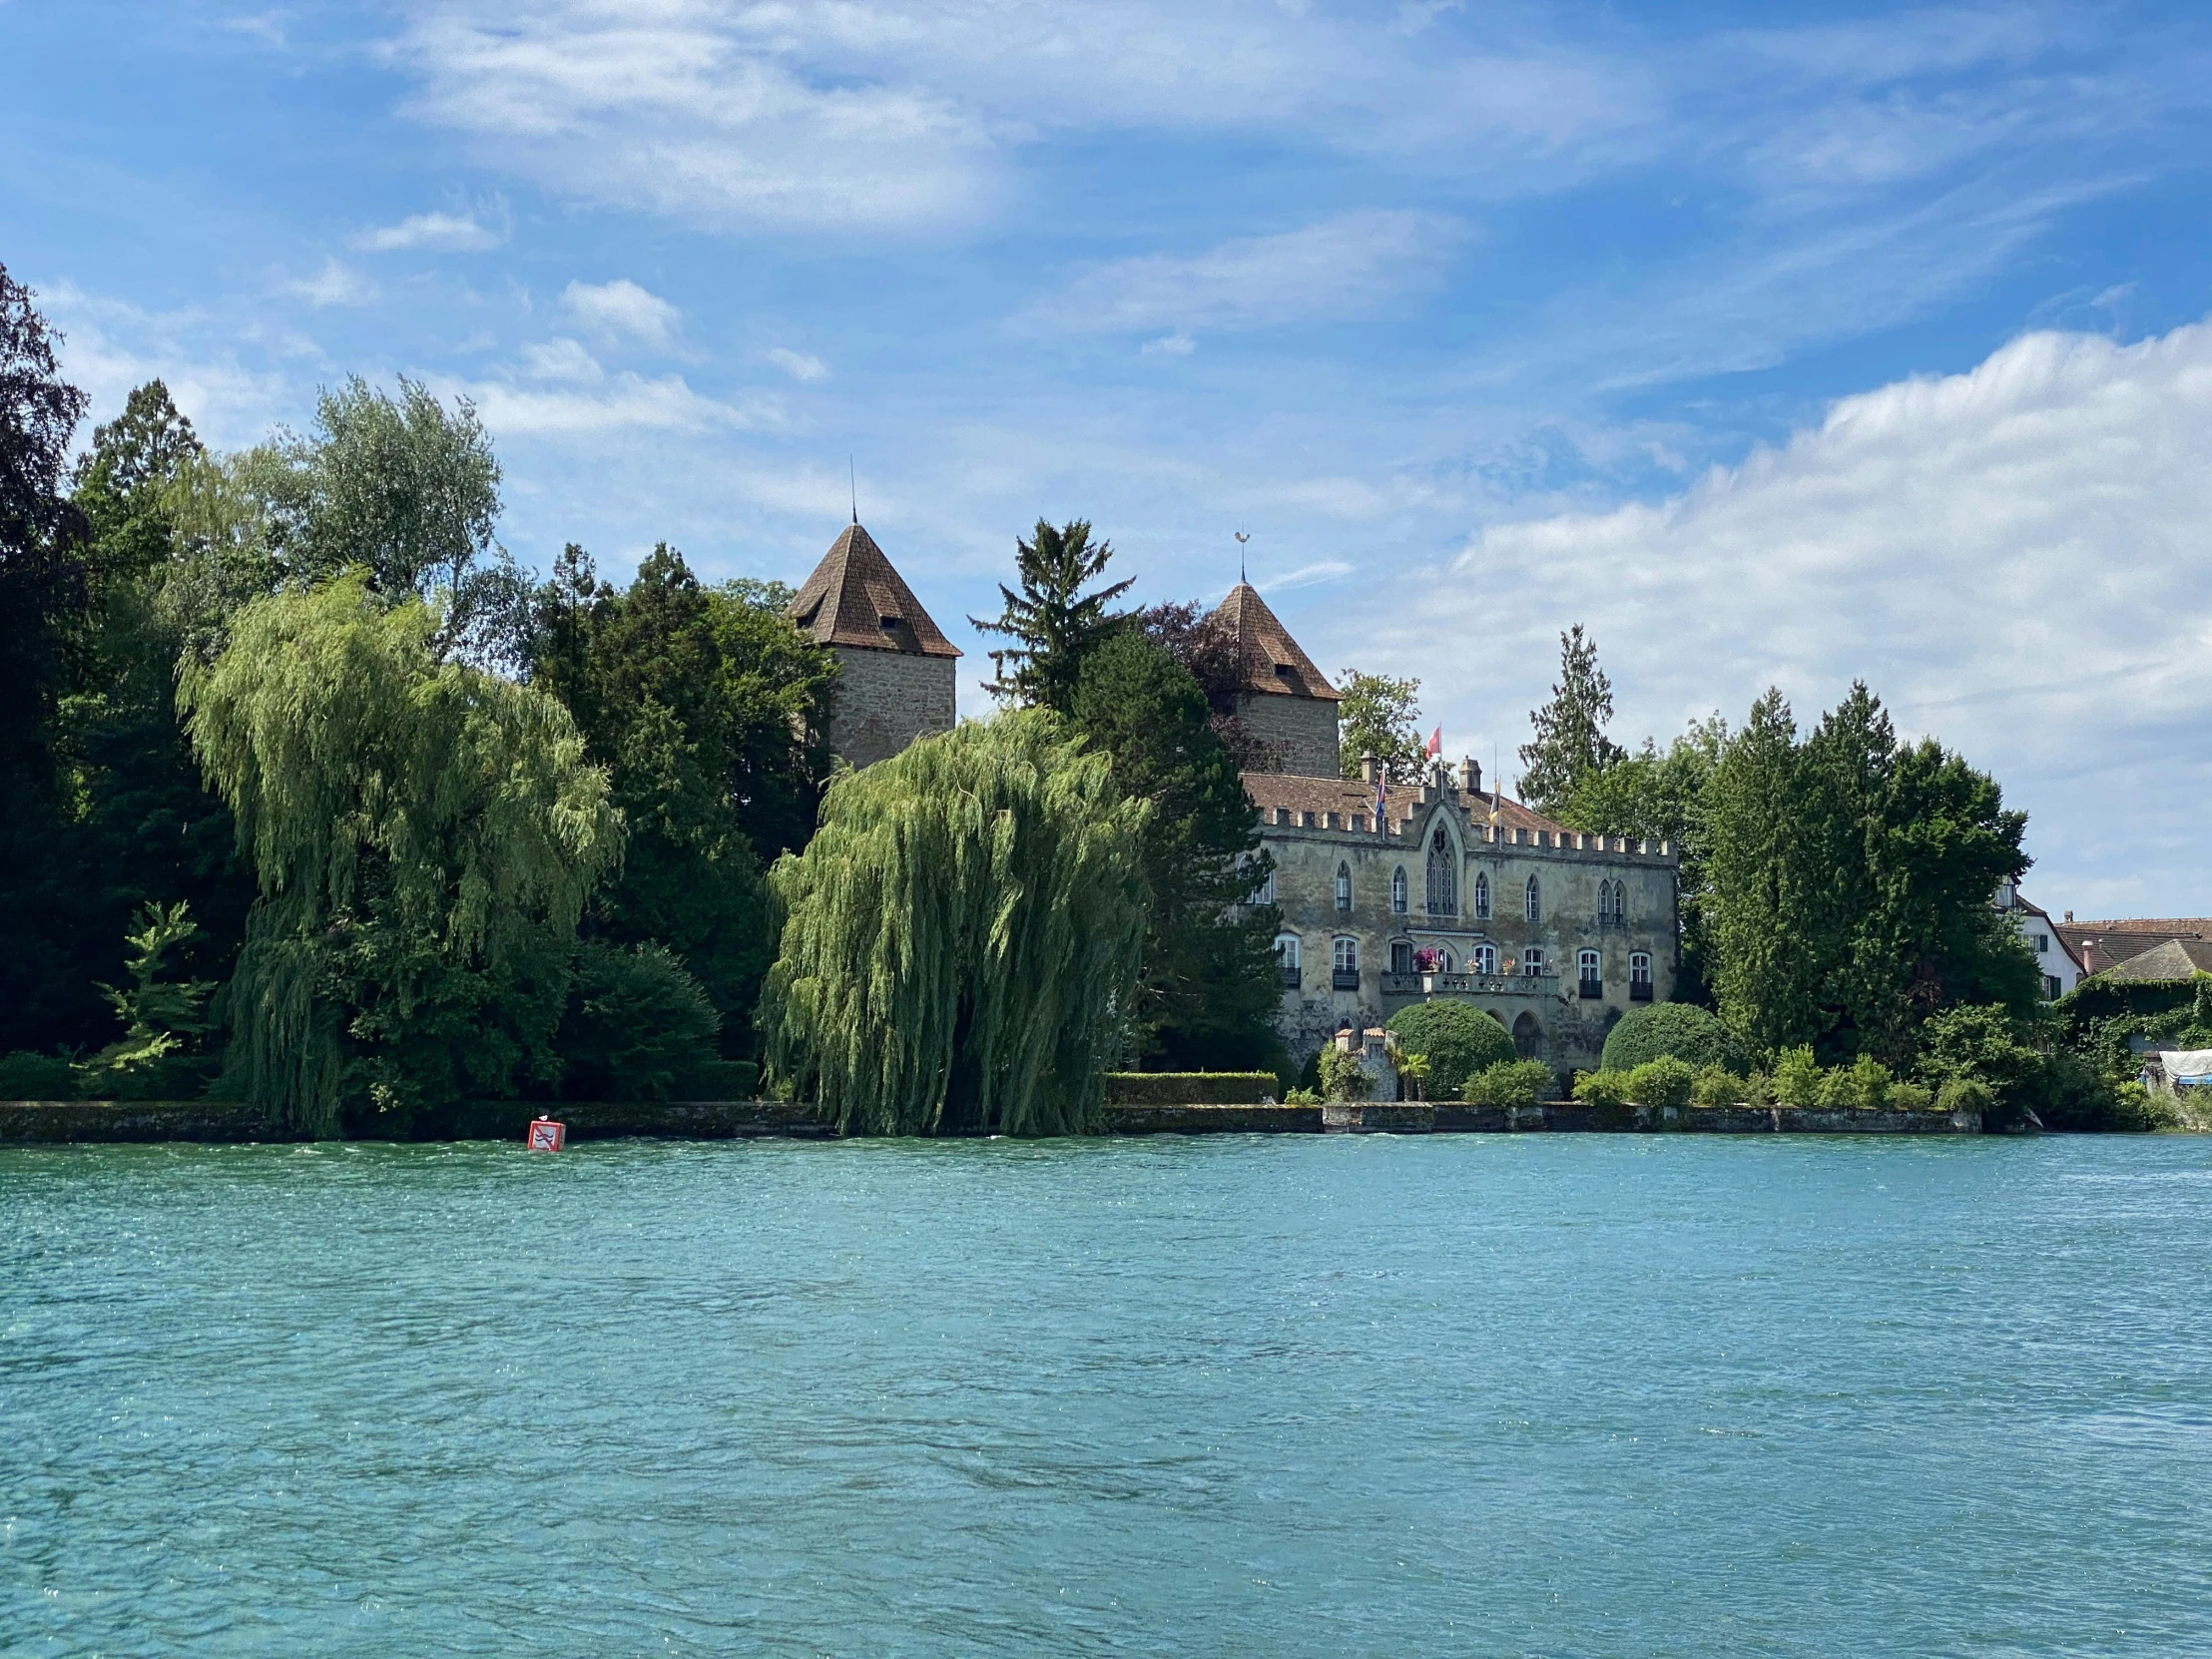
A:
[(1435, 743)]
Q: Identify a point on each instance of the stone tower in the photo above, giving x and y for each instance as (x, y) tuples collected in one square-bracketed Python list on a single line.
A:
[(1285, 700), (898, 679)]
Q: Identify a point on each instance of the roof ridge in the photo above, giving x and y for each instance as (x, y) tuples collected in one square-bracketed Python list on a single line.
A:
[(856, 598)]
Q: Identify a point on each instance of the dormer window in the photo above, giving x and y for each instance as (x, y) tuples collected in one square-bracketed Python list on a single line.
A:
[(886, 622)]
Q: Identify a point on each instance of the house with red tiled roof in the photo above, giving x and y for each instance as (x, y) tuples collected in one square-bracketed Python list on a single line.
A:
[(897, 679), (1394, 892), (2103, 945)]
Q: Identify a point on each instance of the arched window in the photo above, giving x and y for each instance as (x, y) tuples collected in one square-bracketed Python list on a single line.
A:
[(1286, 957), (1604, 899), (1482, 959), (1443, 876), (1344, 886), (1445, 963), (1639, 977), (1536, 900), (1481, 897), (1589, 972), (1399, 892), (1620, 899)]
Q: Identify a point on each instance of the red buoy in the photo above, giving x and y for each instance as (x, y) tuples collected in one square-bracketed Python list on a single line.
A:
[(546, 1135)]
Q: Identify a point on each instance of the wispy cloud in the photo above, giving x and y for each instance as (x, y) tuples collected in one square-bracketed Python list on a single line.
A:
[(799, 364), (334, 284), (441, 232), (623, 308), (1349, 265)]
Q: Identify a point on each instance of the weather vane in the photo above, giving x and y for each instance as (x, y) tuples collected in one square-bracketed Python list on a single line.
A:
[(1241, 538)]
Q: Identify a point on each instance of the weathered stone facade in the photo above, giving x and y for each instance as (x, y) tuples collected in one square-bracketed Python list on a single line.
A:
[(1375, 930), (1301, 730), (897, 667), (887, 698)]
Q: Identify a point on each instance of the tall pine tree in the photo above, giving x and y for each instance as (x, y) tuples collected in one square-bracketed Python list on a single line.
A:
[(1570, 745)]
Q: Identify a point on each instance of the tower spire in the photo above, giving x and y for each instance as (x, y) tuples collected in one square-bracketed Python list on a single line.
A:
[(1241, 538), (853, 482)]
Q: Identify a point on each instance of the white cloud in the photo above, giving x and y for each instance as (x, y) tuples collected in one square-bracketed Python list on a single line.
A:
[(621, 307), (799, 366), (559, 359), (334, 284), (611, 403), (1348, 265), (1177, 344), (441, 232), (111, 346), (2016, 559)]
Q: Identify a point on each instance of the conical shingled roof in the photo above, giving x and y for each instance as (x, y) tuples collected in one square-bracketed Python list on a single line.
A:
[(856, 598), (1272, 661)]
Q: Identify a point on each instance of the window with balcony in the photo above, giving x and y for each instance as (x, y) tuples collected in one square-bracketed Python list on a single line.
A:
[(1533, 960), (1589, 972), (1536, 900), (1604, 901), (1344, 886), (1482, 958), (1402, 956), (1399, 891), (1285, 959), (1481, 897), (1620, 899), (1343, 972), (1443, 876), (1639, 977)]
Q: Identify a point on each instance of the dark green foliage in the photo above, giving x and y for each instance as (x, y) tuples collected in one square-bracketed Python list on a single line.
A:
[(2030, 1077), (1968, 1094), (1188, 1089), (1053, 623), (1210, 984), (1570, 747), (1849, 881), (1672, 1028), (638, 1028), (25, 1075), (709, 709), (1379, 716), (963, 938), (1456, 1039)]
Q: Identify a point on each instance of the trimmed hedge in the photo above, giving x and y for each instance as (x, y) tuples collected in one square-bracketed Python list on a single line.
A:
[(1188, 1089), (1457, 1041), (1673, 1031)]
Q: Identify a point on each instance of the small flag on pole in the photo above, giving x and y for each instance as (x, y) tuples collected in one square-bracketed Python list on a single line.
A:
[(1382, 801), (1435, 743)]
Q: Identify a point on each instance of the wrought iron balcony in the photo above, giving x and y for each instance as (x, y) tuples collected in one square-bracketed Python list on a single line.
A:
[(1343, 980), (1640, 991), (1293, 978), (1592, 989)]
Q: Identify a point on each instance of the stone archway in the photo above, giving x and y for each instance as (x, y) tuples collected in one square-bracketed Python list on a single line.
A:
[(1528, 1036)]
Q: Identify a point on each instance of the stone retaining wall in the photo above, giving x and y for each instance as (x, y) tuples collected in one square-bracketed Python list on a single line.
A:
[(52, 1122)]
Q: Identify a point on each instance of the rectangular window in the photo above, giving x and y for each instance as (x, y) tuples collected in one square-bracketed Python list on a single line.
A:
[(1484, 959), (1402, 956), (1533, 960), (1285, 957), (1345, 965), (1639, 977), (1588, 973)]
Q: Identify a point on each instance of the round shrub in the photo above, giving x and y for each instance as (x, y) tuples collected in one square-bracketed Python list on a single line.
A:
[(1510, 1083), (1601, 1088), (1455, 1039), (1665, 1081), (1797, 1077), (638, 1026), (1673, 1030), (1910, 1097), (1717, 1086)]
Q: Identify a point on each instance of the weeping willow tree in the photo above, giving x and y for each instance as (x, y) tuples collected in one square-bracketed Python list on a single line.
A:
[(424, 835), (962, 937)]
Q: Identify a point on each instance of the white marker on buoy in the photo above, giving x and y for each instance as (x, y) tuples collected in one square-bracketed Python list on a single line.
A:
[(546, 1135)]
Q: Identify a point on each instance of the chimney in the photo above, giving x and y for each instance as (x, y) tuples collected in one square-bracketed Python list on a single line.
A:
[(2069, 915), (1470, 774), (1369, 765)]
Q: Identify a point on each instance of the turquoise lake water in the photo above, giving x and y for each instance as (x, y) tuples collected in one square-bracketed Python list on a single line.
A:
[(1573, 1394)]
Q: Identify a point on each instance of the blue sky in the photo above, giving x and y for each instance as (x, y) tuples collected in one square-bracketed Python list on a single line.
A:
[(1868, 343)]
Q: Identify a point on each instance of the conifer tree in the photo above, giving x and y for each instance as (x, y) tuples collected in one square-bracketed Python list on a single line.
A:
[(1053, 623), (1570, 744)]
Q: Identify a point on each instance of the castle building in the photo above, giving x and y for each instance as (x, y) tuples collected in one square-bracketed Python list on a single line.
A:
[(897, 679), (1449, 892)]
